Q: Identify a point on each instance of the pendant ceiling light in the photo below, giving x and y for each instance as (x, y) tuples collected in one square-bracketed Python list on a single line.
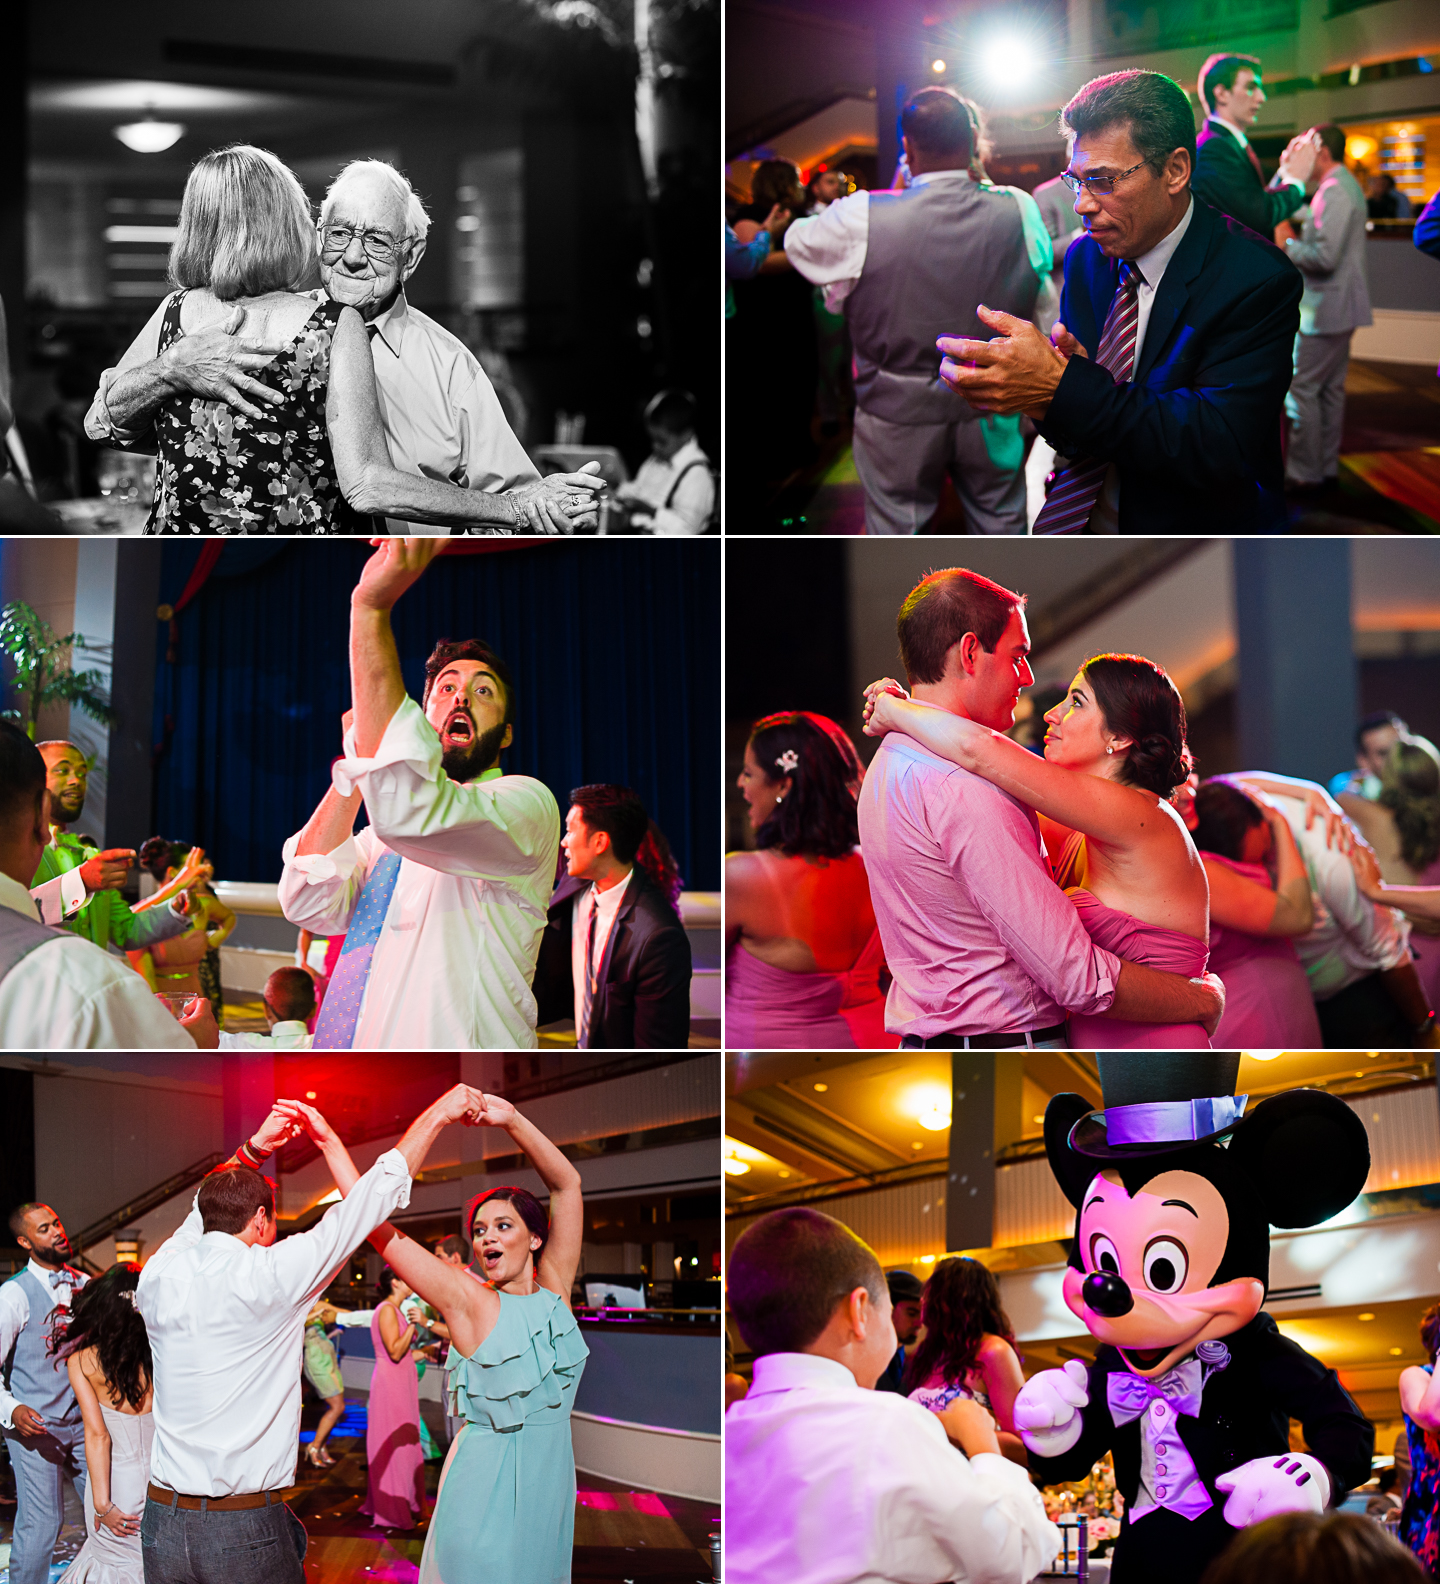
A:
[(150, 136)]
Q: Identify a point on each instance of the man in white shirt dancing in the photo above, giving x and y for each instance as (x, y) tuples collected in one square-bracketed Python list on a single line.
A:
[(443, 899), (225, 1307), (831, 1482), (38, 1411)]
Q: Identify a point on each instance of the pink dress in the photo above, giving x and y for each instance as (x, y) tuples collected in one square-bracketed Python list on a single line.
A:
[(392, 1438), (770, 1008), (1268, 1005), (1426, 948)]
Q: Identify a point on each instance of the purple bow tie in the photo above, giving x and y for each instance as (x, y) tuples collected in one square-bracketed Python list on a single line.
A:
[(1130, 1395)]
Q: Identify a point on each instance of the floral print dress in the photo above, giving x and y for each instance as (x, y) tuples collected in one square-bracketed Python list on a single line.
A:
[(1420, 1516), (221, 472)]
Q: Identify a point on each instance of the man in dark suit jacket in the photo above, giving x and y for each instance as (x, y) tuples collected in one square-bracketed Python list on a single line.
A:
[(1227, 171), (610, 915), (1184, 435)]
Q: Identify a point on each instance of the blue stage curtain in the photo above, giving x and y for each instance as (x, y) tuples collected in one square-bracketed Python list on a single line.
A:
[(614, 646)]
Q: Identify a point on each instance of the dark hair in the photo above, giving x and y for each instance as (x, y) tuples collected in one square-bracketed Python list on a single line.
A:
[(385, 1281), (158, 855), (671, 410), (103, 1316), (451, 649), (787, 1272), (940, 121), (1386, 1479), (775, 181), (1333, 139), (1224, 815), (960, 1307), (656, 859), (22, 773), (1430, 1329), (453, 1243), (618, 812), (290, 995), (1139, 701), (818, 815), (1153, 106), (1220, 71), (230, 1196), (938, 612), (527, 1207), (1373, 722), (1410, 789), (18, 1214), (1315, 1548)]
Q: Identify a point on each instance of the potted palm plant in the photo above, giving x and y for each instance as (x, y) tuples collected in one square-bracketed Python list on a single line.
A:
[(44, 670)]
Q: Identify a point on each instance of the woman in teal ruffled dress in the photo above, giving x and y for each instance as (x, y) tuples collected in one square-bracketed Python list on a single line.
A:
[(506, 1505)]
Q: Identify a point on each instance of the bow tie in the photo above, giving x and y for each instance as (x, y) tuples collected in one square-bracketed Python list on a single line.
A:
[(1130, 1395)]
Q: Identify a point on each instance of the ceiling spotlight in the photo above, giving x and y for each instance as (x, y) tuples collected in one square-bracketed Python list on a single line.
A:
[(149, 136), (937, 66), (1010, 59), (934, 1119), (736, 1168)]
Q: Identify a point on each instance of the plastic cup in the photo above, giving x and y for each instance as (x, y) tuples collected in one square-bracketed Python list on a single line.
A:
[(177, 1002)]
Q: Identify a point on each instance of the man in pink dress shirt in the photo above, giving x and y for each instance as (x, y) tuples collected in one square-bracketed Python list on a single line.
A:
[(986, 951)]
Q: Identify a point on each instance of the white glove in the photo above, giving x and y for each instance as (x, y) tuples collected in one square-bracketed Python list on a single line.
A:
[(1047, 1408), (1266, 1487)]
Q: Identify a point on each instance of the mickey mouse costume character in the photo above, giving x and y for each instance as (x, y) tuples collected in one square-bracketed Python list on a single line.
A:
[(1193, 1386)]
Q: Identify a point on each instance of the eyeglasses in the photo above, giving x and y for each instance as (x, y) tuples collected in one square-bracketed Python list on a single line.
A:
[(379, 245), (1096, 186)]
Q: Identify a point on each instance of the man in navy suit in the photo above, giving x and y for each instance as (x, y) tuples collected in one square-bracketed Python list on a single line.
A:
[(1162, 385)]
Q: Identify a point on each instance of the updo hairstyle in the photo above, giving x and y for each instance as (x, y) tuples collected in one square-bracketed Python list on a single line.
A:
[(817, 816), (1139, 701)]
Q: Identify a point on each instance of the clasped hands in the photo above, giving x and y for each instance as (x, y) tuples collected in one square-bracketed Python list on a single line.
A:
[(1015, 372), (877, 720), (289, 1119)]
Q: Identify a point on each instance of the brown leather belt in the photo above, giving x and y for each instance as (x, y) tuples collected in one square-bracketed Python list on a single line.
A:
[(169, 1498)]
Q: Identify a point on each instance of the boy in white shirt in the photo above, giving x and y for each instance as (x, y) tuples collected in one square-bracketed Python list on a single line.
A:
[(673, 494), (828, 1481)]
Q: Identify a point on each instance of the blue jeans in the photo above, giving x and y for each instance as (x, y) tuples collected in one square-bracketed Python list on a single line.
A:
[(260, 1545), (42, 1464)]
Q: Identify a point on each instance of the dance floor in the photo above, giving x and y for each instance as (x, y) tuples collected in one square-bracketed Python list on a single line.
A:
[(1389, 470)]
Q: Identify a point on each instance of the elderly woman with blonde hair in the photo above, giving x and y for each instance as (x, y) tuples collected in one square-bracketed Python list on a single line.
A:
[(313, 458)]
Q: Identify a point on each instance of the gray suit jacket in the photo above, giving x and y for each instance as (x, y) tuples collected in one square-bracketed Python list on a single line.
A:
[(1331, 256)]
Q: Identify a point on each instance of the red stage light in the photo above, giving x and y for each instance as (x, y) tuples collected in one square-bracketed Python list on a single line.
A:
[(310, 1094)]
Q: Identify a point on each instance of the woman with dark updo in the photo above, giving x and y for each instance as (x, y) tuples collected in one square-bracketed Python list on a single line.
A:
[(804, 959), (1115, 752)]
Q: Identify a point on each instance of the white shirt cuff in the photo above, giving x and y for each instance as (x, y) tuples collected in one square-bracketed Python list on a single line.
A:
[(409, 739), (318, 868)]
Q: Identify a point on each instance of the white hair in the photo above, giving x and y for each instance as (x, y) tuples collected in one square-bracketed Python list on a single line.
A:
[(417, 222)]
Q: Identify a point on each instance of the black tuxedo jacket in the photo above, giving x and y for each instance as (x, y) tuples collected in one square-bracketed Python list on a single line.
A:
[(643, 996), (1195, 434), (1245, 1413), (1225, 179)]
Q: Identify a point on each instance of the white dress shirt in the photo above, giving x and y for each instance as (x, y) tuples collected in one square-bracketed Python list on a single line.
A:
[(826, 1483), (1105, 517), (454, 962), (693, 500), (829, 249), (606, 904), (59, 899), (15, 1316), (70, 995), (286, 1035), (226, 1322)]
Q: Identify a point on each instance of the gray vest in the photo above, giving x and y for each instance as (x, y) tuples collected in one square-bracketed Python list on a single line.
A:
[(37, 1378), (19, 936), (935, 252)]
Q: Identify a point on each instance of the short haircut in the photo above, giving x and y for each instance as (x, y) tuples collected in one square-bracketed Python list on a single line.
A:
[(788, 1271), (158, 855), (230, 1196), (776, 181), (61, 742), (22, 774), (940, 121), (19, 1213), (1224, 816), (1374, 722), (1333, 139), (451, 649), (417, 221), (1316, 1548), (941, 609), (672, 411), (618, 812), (1153, 107), (290, 995), (1220, 71), (452, 1243), (245, 226)]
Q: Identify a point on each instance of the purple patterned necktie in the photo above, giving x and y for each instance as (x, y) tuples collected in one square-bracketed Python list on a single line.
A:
[(1076, 488)]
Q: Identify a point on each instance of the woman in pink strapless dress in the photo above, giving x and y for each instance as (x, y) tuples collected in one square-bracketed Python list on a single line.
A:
[(1114, 754), (392, 1415), (804, 965), (1255, 917)]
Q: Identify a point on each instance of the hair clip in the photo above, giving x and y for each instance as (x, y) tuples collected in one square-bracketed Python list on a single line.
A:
[(788, 761)]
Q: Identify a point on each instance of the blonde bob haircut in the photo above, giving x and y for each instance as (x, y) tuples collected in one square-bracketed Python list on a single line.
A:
[(245, 226)]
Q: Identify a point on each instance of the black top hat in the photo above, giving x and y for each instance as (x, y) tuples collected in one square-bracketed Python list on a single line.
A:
[(1159, 1101)]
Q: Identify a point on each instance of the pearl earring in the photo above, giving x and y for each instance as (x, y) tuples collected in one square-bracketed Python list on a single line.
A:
[(780, 799), (1111, 748)]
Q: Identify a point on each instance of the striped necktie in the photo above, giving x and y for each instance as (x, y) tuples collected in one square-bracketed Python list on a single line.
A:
[(340, 1010), (587, 994), (1075, 489)]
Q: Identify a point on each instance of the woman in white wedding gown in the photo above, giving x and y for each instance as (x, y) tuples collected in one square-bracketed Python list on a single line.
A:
[(107, 1352)]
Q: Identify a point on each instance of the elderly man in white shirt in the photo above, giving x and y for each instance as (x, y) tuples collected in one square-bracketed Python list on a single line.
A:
[(59, 991), (38, 1412), (831, 1482), (444, 898), (225, 1306)]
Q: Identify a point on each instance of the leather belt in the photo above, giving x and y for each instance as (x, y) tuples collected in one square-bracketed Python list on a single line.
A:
[(1011, 1040), (169, 1498)]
